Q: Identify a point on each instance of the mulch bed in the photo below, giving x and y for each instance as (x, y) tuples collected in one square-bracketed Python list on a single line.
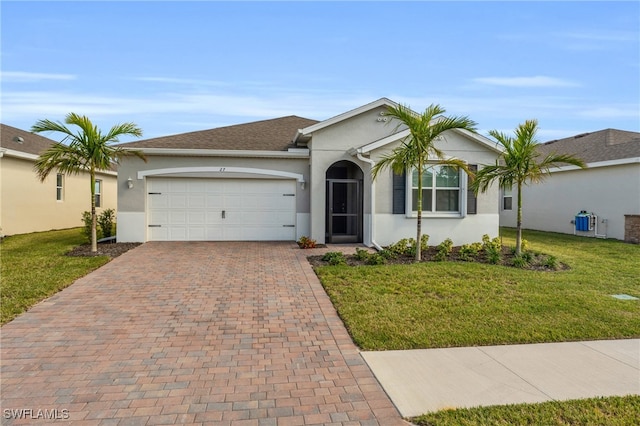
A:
[(429, 255), (104, 249)]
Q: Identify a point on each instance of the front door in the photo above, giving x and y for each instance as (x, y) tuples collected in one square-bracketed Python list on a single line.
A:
[(344, 215)]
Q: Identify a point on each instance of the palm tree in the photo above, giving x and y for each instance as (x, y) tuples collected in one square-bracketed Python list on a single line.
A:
[(418, 150), (88, 150), (519, 164)]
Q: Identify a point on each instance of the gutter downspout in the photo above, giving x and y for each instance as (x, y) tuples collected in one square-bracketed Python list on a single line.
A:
[(373, 199)]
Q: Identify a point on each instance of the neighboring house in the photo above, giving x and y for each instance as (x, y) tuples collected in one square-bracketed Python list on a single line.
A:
[(289, 177), (28, 205), (609, 188)]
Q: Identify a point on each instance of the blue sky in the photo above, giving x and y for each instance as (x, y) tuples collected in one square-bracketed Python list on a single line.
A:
[(174, 67)]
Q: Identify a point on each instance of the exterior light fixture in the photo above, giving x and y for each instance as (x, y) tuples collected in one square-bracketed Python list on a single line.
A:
[(130, 183)]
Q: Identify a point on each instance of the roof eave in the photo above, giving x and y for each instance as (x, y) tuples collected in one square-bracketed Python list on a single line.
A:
[(298, 153), (597, 164)]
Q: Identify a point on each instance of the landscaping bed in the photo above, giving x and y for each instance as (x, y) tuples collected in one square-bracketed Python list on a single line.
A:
[(537, 262), (104, 249)]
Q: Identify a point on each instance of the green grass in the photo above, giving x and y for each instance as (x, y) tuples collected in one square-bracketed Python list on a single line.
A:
[(611, 411), (34, 267), (447, 304)]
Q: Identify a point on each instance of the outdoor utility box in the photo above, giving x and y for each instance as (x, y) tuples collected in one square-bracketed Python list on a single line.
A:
[(582, 221)]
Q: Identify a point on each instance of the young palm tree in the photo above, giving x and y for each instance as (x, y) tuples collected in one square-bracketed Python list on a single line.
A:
[(418, 150), (88, 150), (519, 164)]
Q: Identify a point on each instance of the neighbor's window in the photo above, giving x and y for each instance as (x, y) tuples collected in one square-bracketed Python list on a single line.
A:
[(440, 190), (507, 199), (59, 186), (98, 192)]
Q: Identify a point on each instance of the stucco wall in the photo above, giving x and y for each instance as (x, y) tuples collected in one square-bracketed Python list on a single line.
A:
[(31, 206), (610, 192), (131, 202), (333, 143), (389, 227)]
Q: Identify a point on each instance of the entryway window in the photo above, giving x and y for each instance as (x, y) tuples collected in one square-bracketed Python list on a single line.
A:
[(59, 186), (98, 193), (440, 190)]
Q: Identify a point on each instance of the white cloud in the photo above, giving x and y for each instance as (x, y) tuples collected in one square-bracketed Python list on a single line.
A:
[(609, 36), (187, 81), (628, 111), (535, 81), (39, 104), (30, 77)]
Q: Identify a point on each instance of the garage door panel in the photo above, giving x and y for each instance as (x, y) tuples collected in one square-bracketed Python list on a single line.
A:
[(197, 233), (221, 209), (177, 217), (197, 201), (158, 201), (213, 201), (177, 233), (197, 217)]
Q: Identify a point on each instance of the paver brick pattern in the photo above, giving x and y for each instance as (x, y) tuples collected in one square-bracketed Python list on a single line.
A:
[(224, 333)]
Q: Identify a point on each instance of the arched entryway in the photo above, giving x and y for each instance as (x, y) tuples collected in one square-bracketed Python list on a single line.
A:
[(344, 203)]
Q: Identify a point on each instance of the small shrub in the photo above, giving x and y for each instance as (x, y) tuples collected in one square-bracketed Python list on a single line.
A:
[(106, 222), (306, 243), (387, 254), (470, 251), (520, 262), (493, 255), (335, 258), (551, 262), (444, 249), (402, 247), (86, 229), (424, 242), (362, 255), (489, 245), (375, 259)]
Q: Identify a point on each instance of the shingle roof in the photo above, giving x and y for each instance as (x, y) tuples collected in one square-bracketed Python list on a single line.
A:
[(22, 140), (603, 145), (267, 135)]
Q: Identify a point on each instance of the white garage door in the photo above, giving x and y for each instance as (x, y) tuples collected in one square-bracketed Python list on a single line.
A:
[(189, 209)]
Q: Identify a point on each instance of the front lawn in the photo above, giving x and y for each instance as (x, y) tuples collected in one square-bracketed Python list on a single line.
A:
[(594, 411), (445, 304), (34, 267)]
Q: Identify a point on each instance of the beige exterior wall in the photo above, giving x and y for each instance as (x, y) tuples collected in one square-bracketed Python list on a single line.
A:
[(610, 192), (27, 205)]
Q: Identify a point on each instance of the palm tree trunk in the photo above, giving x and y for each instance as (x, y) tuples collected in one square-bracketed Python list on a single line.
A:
[(94, 232), (519, 221), (419, 224)]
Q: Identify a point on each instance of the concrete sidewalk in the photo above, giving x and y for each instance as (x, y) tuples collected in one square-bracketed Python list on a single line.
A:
[(427, 380)]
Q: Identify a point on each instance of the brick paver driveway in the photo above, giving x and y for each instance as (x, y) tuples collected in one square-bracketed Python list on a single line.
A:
[(190, 333)]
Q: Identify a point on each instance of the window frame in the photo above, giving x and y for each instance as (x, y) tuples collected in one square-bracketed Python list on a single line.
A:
[(507, 193), (60, 187), (98, 192), (461, 188)]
